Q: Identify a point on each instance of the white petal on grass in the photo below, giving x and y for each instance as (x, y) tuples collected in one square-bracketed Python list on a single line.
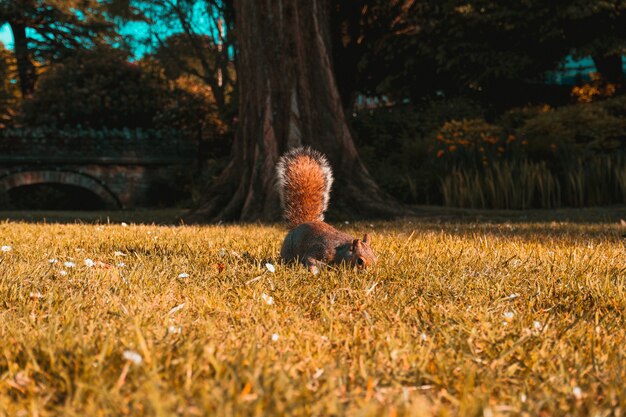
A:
[(424, 337), (52, 261), (63, 272), (124, 224), (183, 275), (35, 294), (537, 325), (174, 329), (118, 253), (513, 296), (269, 300), (270, 267), (176, 309), (315, 270), (89, 263), (6, 248), (508, 315), (69, 264), (121, 264), (133, 357), (578, 393), (275, 337)]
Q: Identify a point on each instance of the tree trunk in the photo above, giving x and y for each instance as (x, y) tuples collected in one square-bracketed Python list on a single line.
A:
[(610, 67), (25, 67), (288, 98)]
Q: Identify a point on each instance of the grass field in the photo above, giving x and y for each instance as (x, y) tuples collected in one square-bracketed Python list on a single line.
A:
[(517, 316)]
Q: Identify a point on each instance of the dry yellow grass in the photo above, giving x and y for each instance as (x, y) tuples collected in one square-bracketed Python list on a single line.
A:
[(458, 319)]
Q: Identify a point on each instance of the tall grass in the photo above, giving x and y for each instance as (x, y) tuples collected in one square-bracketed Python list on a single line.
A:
[(514, 184)]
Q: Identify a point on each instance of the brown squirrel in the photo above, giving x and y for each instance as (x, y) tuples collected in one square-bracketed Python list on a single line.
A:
[(304, 179)]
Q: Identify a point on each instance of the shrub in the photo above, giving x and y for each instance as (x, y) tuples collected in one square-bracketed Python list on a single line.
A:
[(95, 89), (575, 130), (394, 143), (529, 157), (101, 89), (471, 143)]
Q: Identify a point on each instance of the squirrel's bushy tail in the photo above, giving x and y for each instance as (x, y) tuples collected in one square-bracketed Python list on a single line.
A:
[(304, 179)]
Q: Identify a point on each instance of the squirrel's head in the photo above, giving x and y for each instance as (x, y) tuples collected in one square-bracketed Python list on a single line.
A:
[(361, 253)]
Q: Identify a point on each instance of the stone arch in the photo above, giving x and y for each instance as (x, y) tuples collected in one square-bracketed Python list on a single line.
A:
[(18, 179)]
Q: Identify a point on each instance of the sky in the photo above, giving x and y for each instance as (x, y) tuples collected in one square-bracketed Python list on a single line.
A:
[(141, 32), (5, 36)]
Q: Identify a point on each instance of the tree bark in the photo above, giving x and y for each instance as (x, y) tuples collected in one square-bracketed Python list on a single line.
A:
[(25, 66), (288, 98)]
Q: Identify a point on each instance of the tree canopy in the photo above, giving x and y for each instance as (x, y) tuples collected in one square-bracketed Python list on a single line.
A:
[(46, 30), (415, 48)]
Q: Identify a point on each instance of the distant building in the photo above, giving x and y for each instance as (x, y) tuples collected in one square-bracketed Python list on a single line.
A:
[(575, 71)]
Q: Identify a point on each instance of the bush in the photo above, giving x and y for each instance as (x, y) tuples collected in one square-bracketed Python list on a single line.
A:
[(580, 129), (529, 157), (101, 89), (471, 143), (95, 89), (394, 143), (570, 156)]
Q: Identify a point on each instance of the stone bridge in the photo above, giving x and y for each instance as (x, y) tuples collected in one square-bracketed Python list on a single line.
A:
[(125, 169)]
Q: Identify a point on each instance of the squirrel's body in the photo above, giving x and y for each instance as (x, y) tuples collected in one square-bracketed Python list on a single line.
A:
[(304, 182)]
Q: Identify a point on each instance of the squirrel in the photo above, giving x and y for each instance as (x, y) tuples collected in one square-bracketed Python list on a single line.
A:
[(304, 180)]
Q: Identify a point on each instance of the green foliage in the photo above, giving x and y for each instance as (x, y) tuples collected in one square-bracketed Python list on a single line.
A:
[(50, 30), (95, 89), (573, 156), (470, 142), (101, 89), (502, 186), (599, 180), (59, 27), (476, 46), (395, 144), (459, 318), (205, 52), (529, 157), (578, 129)]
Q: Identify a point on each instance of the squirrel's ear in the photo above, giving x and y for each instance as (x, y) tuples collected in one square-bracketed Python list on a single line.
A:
[(355, 244), (366, 239)]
